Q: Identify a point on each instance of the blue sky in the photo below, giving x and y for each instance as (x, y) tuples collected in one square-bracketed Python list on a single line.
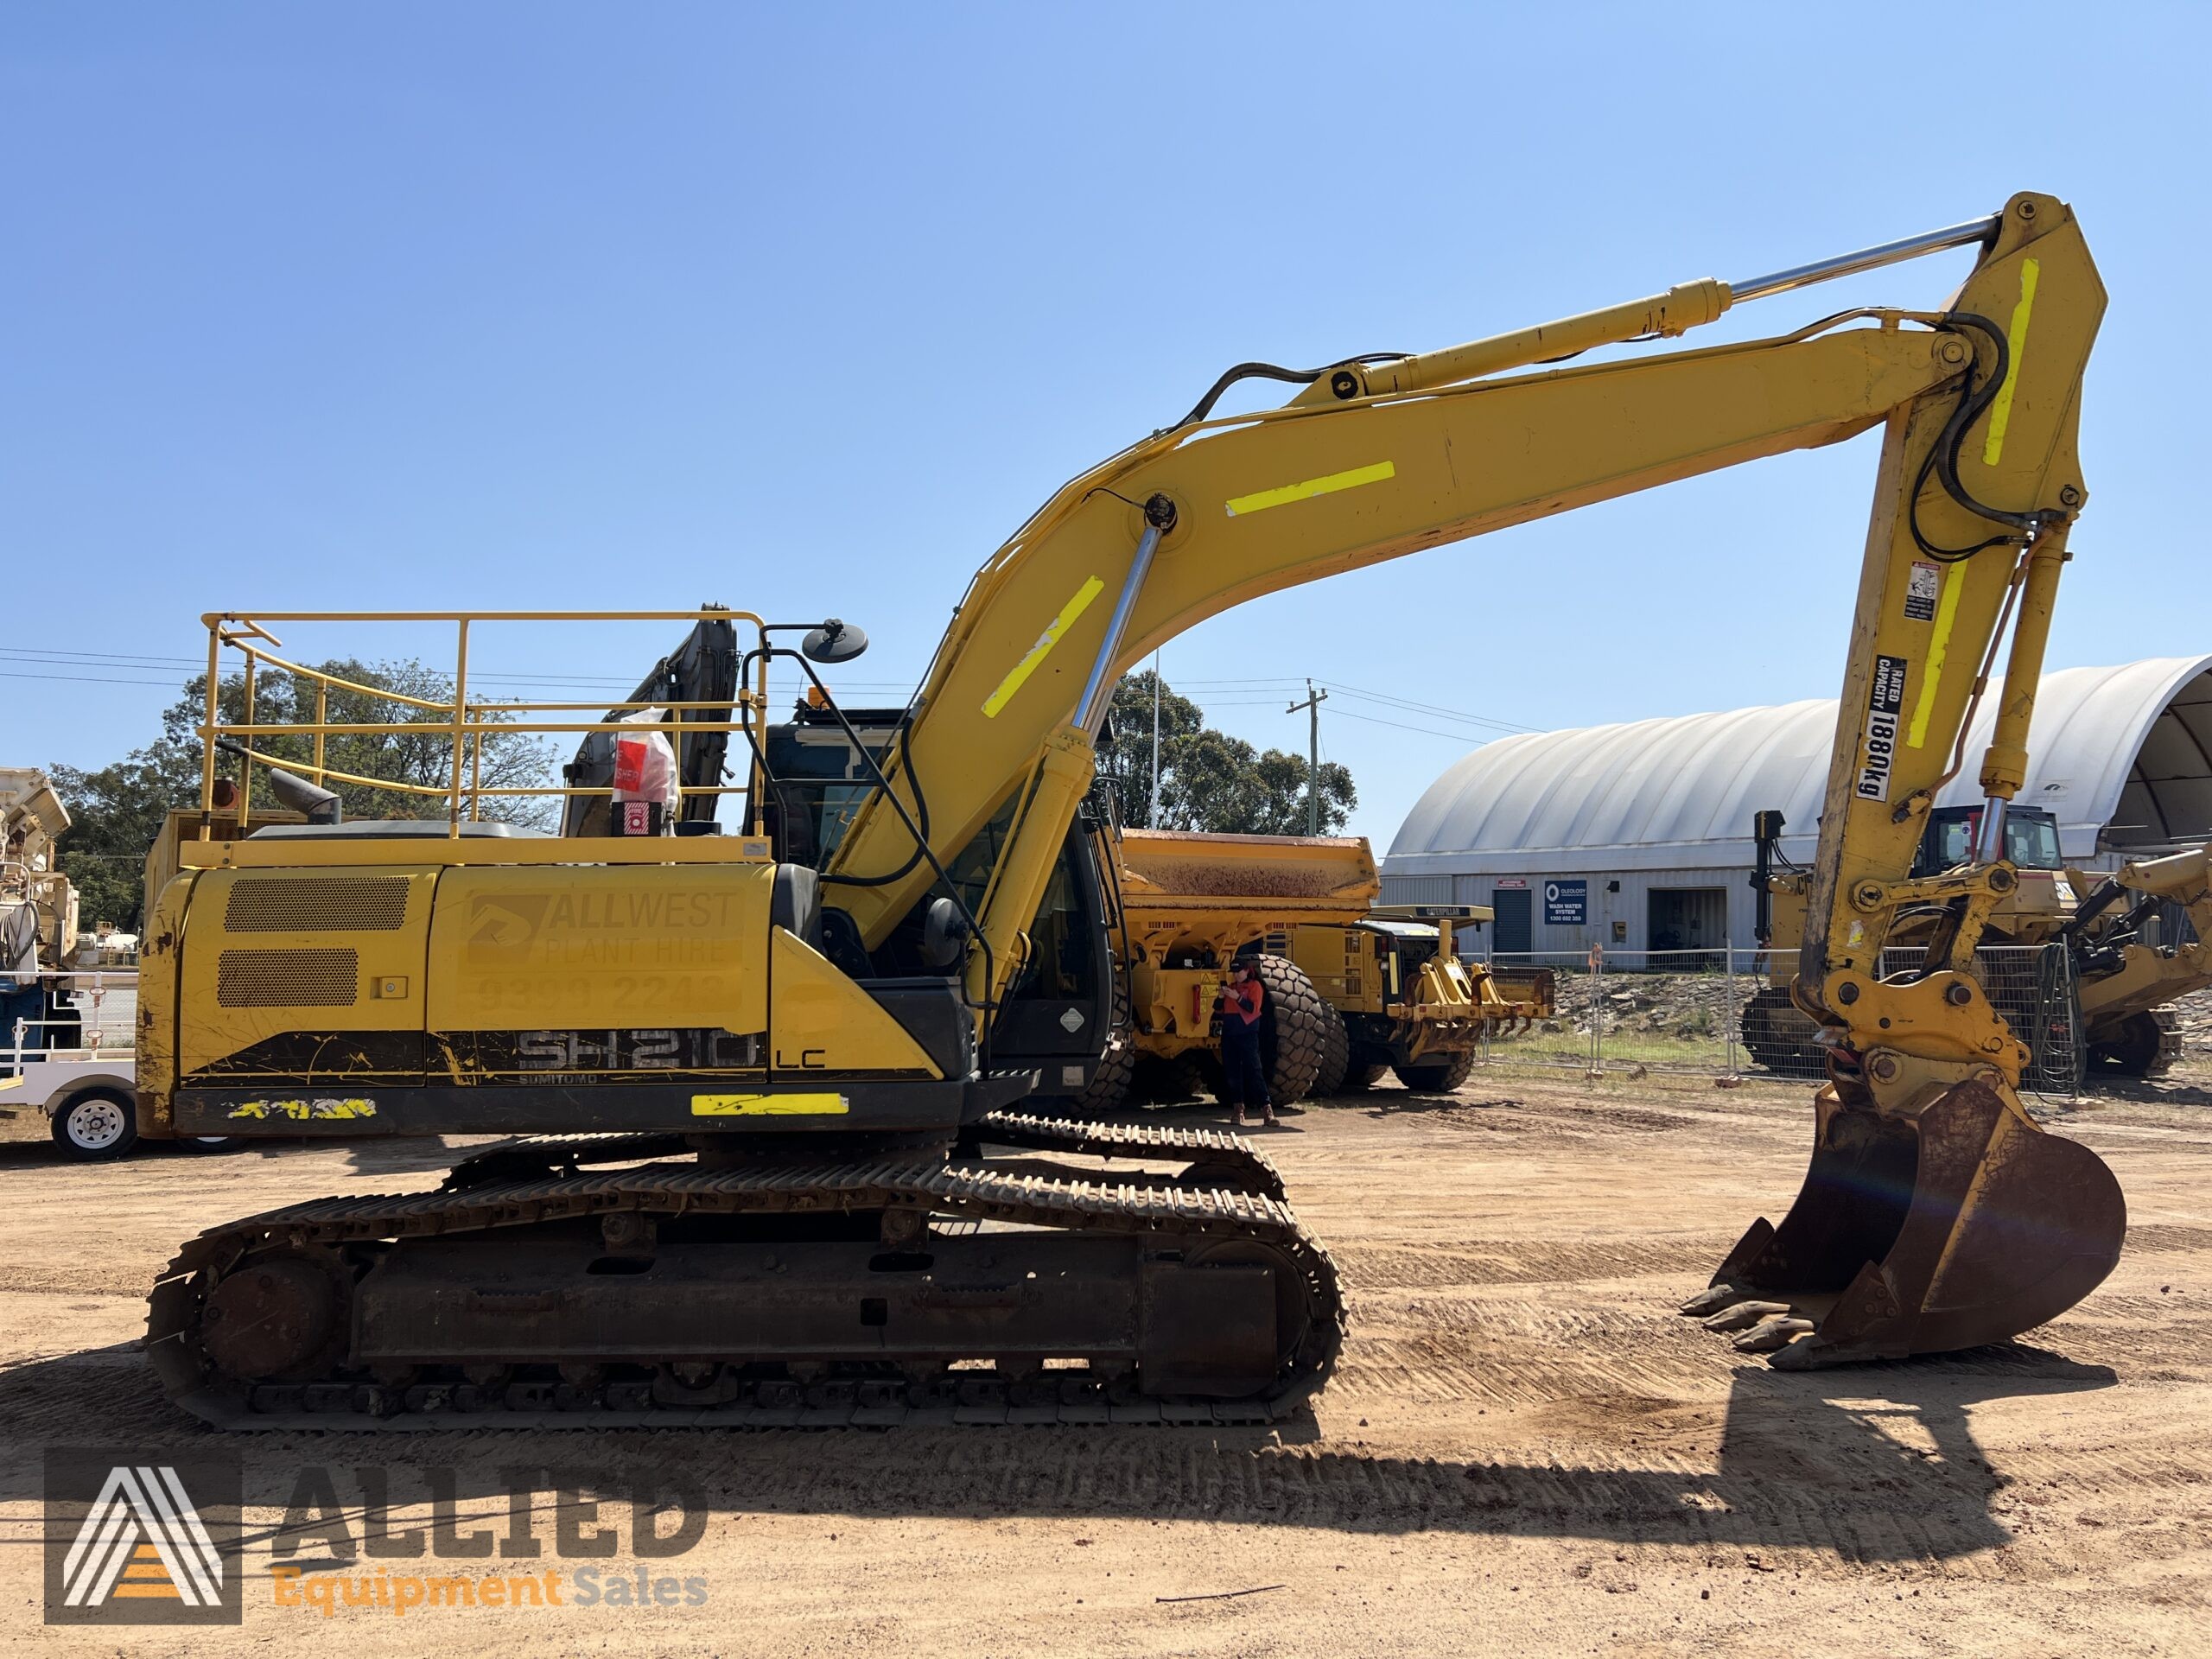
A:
[(554, 305)]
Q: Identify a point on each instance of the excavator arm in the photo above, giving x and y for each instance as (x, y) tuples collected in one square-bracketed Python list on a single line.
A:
[(1977, 485)]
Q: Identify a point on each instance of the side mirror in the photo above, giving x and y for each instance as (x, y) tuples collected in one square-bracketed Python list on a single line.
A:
[(833, 642), (944, 937)]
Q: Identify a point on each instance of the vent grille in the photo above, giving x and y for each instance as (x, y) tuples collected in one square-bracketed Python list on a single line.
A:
[(288, 979), (317, 904)]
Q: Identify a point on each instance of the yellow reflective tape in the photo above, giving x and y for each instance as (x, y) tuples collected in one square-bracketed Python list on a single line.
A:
[(769, 1106), (1261, 500), (1013, 682), (299, 1111), (1939, 643), (2015, 338)]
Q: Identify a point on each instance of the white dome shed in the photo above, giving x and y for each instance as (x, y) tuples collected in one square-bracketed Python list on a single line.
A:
[(1649, 822)]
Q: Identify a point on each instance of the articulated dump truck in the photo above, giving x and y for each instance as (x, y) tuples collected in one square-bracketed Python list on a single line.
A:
[(1352, 990)]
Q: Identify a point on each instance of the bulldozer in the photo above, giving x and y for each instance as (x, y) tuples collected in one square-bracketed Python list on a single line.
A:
[(1352, 988), (2063, 952), (766, 1081)]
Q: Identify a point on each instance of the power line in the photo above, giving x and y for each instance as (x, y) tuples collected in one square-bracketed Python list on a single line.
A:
[(86, 679), (95, 656), (1457, 737), (1386, 699), (1428, 707)]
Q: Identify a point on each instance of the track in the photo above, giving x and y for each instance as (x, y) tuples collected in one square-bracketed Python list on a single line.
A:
[(556, 1204)]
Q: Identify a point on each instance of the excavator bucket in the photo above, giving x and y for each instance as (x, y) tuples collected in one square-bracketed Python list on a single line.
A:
[(1965, 1226)]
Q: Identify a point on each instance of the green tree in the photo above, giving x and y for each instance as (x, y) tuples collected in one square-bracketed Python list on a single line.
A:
[(1208, 779), (116, 810)]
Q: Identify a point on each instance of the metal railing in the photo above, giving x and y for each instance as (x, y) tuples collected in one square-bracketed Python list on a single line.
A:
[(77, 1012), (1726, 1012), (464, 721)]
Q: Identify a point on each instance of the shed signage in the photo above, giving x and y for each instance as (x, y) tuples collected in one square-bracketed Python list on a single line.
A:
[(1566, 904)]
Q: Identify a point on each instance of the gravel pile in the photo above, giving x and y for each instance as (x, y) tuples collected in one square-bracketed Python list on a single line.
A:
[(1692, 1006)]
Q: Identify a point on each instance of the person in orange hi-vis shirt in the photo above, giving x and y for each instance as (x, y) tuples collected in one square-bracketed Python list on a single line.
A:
[(1244, 1077)]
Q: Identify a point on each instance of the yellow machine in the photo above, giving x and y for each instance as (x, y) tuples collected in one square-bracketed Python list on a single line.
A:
[(2112, 999), (2127, 980), (1187, 904), (805, 1057), (1343, 975), (1404, 1001)]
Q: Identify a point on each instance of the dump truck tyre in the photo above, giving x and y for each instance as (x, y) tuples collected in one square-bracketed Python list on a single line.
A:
[(1336, 1057), (1368, 1066), (1778, 1037), (1294, 1029), (1188, 1078), (2144, 1045), (1439, 1078), (1107, 1092)]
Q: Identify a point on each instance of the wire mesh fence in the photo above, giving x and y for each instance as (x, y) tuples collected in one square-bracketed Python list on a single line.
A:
[(1727, 1013)]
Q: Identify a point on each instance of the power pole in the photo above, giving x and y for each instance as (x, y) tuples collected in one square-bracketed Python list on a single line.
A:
[(1313, 707), (1152, 814)]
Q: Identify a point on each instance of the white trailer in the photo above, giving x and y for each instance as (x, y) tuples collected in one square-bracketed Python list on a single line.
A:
[(87, 1090)]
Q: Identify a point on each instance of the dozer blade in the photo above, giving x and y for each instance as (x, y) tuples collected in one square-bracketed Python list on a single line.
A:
[(1966, 1225)]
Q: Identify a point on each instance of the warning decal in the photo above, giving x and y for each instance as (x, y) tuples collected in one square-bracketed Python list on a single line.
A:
[(1885, 701), (1919, 591)]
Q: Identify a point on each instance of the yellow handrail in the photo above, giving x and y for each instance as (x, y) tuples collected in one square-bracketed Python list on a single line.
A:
[(462, 720)]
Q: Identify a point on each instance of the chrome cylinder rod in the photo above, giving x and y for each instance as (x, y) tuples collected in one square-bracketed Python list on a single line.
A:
[(1091, 708), (1850, 264), (1992, 831)]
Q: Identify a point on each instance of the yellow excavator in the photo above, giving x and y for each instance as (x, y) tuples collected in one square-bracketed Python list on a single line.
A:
[(779, 1170)]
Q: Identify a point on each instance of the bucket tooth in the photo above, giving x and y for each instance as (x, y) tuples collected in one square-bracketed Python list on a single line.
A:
[(1741, 1316), (1964, 1225)]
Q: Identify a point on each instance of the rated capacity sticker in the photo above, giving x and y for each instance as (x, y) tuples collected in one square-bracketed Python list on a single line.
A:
[(1885, 701)]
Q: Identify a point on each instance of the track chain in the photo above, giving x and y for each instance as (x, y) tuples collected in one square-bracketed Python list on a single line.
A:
[(959, 1191), (1226, 1159)]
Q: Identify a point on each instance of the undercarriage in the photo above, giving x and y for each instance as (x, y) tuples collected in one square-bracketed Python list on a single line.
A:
[(698, 1284)]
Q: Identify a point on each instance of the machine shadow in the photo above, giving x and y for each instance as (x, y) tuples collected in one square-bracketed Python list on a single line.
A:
[(1875, 1464)]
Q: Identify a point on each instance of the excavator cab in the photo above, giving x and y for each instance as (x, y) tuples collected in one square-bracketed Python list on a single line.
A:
[(2031, 839), (1055, 1017)]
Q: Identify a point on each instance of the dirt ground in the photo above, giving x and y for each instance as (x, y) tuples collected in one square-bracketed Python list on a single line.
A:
[(1525, 1449)]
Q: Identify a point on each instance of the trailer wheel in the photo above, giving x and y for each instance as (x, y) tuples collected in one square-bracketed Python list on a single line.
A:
[(1439, 1077), (96, 1125), (1294, 1029), (1336, 1057)]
